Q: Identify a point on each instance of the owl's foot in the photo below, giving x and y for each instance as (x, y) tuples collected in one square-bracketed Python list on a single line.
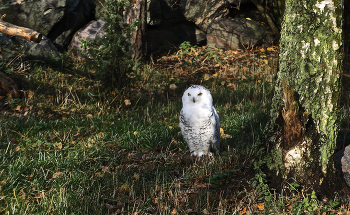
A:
[(201, 154)]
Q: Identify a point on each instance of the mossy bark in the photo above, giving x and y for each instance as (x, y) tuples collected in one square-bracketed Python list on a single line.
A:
[(302, 134)]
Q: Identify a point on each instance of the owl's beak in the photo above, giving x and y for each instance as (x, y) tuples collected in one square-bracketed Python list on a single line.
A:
[(194, 101)]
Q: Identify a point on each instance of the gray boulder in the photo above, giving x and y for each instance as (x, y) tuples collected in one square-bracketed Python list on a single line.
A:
[(77, 15), (343, 159), (13, 46), (10, 46), (55, 19), (43, 50), (202, 12), (238, 33), (39, 15), (92, 31)]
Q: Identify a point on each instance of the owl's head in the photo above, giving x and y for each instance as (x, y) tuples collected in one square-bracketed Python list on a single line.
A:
[(197, 95)]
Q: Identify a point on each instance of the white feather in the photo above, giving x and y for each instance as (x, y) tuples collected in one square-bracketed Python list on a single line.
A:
[(199, 121)]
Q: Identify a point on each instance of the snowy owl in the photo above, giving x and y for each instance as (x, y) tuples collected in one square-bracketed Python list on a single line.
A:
[(199, 121)]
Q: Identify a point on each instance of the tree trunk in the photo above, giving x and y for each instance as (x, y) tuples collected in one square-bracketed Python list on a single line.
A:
[(301, 137), (137, 12), (346, 55), (14, 30), (267, 17)]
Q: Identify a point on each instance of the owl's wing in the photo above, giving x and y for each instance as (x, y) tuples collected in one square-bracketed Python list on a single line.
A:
[(183, 119), (217, 119), (216, 123)]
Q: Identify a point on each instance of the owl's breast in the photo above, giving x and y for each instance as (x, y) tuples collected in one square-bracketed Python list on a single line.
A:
[(195, 116)]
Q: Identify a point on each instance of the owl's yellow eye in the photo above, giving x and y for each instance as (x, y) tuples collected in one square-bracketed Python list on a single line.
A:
[(189, 94), (200, 94)]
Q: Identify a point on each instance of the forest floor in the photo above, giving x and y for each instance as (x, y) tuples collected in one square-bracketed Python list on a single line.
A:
[(69, 146)]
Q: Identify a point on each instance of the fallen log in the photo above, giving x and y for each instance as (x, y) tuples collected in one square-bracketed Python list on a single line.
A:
[(14, 30)]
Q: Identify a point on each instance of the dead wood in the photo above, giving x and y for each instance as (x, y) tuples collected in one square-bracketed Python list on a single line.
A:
[(14, 30)]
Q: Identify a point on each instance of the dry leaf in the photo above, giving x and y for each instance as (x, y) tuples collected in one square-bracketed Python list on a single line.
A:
[(39, 195), (17, 148), (18, 108), (136, 176), (13, 141), (243, 210), (59, 145), (22, 194), (110, 207), (222, 132), (57, 175), (174, 212), (205, 211), (155, 200), (231, 85), (89, 116), (261, 206), (188, 210), (125, 188), (120, 204), (127, 102), (30, 94), (172, 86)]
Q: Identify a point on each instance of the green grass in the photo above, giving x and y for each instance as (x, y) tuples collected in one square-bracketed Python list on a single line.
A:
[(70, 145)]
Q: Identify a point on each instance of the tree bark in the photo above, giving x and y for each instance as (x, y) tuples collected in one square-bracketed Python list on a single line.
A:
[(15, 30), (301, 138), (137, 12)]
